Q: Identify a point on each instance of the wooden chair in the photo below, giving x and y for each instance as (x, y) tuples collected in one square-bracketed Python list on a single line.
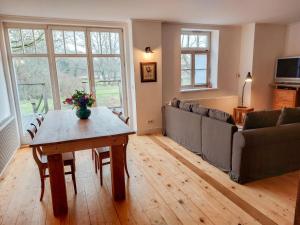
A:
[(102, 153), (42, 162), (40, 119)]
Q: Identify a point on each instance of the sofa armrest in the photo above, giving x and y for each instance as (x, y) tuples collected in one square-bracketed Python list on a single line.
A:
[(264, 152)]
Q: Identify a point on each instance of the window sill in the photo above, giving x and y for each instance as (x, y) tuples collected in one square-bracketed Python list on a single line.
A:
[(197, 89)]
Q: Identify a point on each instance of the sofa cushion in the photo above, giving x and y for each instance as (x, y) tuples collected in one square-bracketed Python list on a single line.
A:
[(260, 119), (220, 115), (186, 106), (199, 109), (175, 102), (289, 115)]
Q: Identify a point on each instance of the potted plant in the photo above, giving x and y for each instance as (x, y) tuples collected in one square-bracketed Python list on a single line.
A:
[(81, 100)]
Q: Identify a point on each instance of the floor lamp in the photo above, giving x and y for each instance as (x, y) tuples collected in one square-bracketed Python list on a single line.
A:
[(247, 80)]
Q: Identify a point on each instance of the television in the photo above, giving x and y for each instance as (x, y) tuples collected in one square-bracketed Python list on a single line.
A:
[(288, 70)]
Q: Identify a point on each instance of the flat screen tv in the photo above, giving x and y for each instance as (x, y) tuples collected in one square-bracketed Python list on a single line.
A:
[(288, 70)]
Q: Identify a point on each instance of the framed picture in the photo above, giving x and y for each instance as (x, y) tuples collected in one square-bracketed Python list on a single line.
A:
[(148, 72)]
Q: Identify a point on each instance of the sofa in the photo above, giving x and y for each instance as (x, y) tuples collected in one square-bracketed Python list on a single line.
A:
[(267, 145), (206, 132)]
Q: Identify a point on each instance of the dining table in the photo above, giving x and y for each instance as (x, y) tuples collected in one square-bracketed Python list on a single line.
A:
[(63, 132)]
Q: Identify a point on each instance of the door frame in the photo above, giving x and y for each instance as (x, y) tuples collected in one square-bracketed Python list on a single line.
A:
[(52, 64)]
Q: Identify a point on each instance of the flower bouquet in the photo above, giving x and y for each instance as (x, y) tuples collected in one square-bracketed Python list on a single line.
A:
[(81, 100)]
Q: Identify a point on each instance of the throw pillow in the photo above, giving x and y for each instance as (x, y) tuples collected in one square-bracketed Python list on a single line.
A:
[(199, 109), (220, 115), (260, 119), (186, 106), (175, 102), (289, 115)]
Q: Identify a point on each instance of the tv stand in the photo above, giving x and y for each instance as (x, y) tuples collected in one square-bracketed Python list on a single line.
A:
[(286, 95)]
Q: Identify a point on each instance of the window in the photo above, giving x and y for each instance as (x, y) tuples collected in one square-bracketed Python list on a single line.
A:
[(195, 49), (29, 57), (5, 107), (49, 62)]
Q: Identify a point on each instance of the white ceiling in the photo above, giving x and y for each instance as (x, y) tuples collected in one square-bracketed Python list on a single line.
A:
[(189, 11)]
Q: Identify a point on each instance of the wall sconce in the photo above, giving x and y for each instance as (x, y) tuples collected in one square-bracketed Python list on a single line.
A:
[(148, 53)]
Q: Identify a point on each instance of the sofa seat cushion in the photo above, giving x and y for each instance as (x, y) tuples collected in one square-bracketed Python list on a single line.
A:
[(289, 115), (186, 106), (220, 115), (261, 119), (199, 109)]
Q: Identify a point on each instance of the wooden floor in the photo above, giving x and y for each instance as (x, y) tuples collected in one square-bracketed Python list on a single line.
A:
[(162, 189)]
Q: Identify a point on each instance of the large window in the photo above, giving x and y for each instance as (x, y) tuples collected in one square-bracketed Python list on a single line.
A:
[(195, 52), (50, 62)]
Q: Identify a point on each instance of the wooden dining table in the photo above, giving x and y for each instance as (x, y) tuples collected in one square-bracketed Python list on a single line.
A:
[(62, 132)]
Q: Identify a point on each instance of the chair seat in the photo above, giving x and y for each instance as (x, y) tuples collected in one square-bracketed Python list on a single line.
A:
[(67, 157)]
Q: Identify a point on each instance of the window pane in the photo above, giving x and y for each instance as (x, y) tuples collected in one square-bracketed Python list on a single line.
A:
[(72, 75), (95, 42), (105, 43), (69, 42), (58, 41), (15, 40), (200, 61), (202, 41), (80, 42), (107, 72), (184, 41), (28, 41), (193, 41), (186, 62), (40, 41), (186, 77), (34, 87), (200, 77), (114, 43)]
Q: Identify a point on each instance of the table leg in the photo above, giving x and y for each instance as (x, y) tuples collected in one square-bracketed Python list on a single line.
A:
[(297, 209), (58, 184), (117, 172)]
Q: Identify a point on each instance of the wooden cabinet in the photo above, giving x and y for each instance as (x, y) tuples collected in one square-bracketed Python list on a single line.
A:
[(285, 98)]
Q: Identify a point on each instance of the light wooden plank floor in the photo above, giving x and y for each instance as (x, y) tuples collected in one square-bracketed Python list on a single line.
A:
[(161, 190)]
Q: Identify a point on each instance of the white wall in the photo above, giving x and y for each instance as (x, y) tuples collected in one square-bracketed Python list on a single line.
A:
[(148, 95), (228, 61), (292, 46), (246, 61), (268, 46)]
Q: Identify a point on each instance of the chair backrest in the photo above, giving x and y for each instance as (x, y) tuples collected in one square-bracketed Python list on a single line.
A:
[(32, 129), (124, 119), (36, 151), (40, 119)]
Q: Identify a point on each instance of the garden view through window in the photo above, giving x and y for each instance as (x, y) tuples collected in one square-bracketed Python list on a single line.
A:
[(49, 64), (195, 46)]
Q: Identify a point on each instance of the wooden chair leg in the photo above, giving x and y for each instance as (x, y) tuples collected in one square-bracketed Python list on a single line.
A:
[(100, 170), (42, 173), (125, 162), (96, 158), (73, 177), (93, 153)]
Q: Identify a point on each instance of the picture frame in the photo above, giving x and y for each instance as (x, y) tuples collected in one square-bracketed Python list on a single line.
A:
[(148, 72)]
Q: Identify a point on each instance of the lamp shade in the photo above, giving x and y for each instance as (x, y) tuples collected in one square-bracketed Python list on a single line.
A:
[(248, 77)]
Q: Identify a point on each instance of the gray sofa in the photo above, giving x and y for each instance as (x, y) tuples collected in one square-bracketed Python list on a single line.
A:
[(206, 136), (270, 149), (268, 145)]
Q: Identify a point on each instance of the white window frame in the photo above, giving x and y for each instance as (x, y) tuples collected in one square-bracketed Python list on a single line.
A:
[(52, 63), (193, 52)]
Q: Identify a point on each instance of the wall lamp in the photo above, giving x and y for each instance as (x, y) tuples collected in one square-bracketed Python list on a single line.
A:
[(247, 80), (148, 53), (148, 50)]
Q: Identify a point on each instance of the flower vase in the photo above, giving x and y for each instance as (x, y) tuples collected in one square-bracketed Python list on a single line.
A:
[(83, 113)]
